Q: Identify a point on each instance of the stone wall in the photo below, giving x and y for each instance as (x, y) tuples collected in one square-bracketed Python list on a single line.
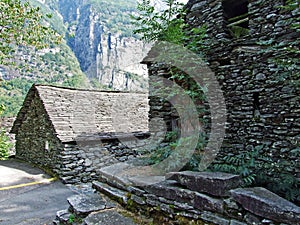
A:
[(197, 198), (81, 160), (61, 135), (262, 107), (36, 141)]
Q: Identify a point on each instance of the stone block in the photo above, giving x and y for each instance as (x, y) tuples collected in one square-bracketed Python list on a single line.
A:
[(115, 173), (138, 199), (169, 190), (110, 191), (204, 202), (213, 183), (108, 218), (235, 222), (82, 205), (63, 216), (213, 218), (264, 203)]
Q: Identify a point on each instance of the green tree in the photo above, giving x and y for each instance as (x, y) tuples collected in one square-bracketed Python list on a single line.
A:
[(163, 25), (168, 25), (22, 25)]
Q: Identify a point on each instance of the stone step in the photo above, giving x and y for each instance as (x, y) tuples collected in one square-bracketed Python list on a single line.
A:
[(170, 190), (213, 183), (114, 175), (108, 217), (265, 203), (123, 175), (82, 205), (114, 193)]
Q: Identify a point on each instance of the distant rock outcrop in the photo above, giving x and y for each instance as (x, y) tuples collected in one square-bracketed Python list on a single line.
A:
[(108, 57)]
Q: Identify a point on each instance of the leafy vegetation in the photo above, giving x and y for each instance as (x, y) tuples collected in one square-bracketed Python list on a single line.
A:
[(163, 25), (242, 164), (4, 140), (247, 165), (35, 58), (168, 25), (115, 15), (22, 25)]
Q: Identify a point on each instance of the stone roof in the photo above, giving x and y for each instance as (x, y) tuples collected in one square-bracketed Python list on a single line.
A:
[(75, 112)]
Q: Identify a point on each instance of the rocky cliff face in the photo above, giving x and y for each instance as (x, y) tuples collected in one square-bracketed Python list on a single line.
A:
[(106, 55)]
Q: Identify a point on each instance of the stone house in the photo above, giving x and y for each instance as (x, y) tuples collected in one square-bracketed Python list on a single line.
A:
[(74, 132), (262, 100)]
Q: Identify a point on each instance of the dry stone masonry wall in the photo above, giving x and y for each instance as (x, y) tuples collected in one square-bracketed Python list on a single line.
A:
[(199, 197), (81, 160), (262, 100), (74, 133)]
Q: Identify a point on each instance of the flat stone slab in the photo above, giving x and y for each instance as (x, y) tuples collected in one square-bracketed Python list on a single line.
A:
[(115, 173), (108, 218), (112, 192), (145, 180), (213, 183), (169, 190), (82, 205), (265, 203), (122, 175), (205, 202)]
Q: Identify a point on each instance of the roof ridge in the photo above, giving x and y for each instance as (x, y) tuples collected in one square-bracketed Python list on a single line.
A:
[(88, 90)]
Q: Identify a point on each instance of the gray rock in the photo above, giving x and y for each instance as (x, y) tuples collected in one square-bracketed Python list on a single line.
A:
[(198, 6), (82, 205), (107, 218), (135, 190), (264, 203), (215, 219), (138, 200), (116, 172), (214, 183), (235, 222), (110, 191), (63, 216), (204, 202), (169, 190), (145, 180), (260, 76)]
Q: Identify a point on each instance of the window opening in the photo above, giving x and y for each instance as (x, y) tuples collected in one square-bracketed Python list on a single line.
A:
[(256, 104), (236, 16)]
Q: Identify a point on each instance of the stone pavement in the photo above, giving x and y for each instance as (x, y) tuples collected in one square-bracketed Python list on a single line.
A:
[(29, 197)]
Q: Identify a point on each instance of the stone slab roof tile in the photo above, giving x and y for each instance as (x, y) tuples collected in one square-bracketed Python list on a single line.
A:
[(74, 112)]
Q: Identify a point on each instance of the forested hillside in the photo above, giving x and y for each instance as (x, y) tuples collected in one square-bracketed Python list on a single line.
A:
[(98, 51)]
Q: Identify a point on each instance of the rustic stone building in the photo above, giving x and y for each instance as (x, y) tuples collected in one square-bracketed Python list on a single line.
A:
[(75, 132), (261, 95)]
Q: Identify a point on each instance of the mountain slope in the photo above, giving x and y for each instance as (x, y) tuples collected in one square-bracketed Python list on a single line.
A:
[(100, 34), (98, 44)]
